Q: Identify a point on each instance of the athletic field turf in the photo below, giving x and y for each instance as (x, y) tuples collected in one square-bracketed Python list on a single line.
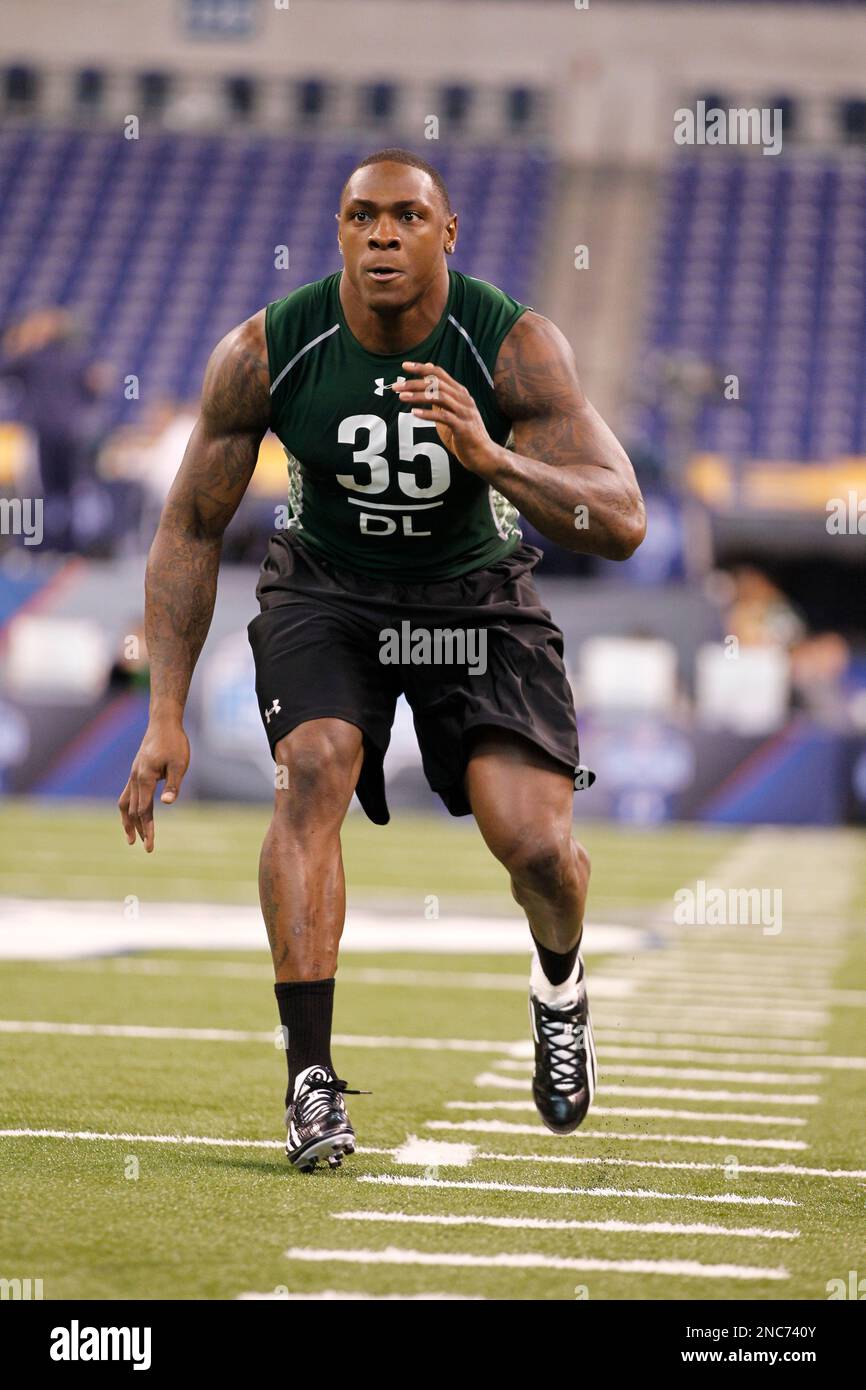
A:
[(141, 1139)]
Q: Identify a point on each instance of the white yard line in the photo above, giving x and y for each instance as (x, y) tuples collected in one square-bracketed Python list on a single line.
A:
[(539, 1223), (234, 1035), (492, 1079), (709, 1059), (690, 1269), (337, 1295), (613, 1068), (443, 1154), (538, 1132), (621, 984), (607, 986), (183, 1139), (642, 1112), (731, 1199), (769, 1046), (662, 983), (778, 1021), (663, 1164), (521, 1047)]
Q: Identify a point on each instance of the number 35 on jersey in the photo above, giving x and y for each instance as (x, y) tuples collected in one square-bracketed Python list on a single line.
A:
[(425, 476)]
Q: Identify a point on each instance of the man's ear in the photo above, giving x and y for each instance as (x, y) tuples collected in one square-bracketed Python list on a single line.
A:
[(451, 235)]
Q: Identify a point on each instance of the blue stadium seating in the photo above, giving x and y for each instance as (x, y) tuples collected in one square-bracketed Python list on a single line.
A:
[(164, 243), (760, 268)]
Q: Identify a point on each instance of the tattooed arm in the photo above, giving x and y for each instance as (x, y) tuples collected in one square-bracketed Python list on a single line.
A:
[(565, 456), (182, 567)]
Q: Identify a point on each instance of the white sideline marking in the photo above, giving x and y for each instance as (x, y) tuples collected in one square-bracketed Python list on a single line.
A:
[(766, 1078), (434, 1152), (44, 929), (678, 1268), (332, 1295), (687, 1165), (664, 1092), (641, 1112), (538, 1132), (732, 1199), (539, 1223)]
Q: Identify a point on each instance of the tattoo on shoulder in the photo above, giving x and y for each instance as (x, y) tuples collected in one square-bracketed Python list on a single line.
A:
[(535, 369), (236, 395)]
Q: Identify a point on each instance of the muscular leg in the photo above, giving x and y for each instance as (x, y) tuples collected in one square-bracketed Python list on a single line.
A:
[(522, 801), (301, 883)]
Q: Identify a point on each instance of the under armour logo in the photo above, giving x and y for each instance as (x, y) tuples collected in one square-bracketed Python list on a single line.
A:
[(380, 384), (274, 709)]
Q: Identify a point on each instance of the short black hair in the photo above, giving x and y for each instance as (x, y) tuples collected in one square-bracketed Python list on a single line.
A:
[(398, 156)]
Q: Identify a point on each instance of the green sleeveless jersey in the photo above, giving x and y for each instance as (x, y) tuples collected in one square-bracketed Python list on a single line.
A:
[(371, 486)]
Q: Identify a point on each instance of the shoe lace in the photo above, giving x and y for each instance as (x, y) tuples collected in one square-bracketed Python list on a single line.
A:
[(564, 1039), (315, 1101)]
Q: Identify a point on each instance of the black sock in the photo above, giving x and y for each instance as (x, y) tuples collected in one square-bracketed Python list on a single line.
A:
[(306, 1010), (556, 967)]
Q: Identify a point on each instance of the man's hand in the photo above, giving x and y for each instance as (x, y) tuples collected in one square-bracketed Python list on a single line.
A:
[(436, 396), (164, 754)]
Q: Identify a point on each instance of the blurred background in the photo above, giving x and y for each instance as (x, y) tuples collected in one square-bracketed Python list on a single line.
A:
[(165, 172)]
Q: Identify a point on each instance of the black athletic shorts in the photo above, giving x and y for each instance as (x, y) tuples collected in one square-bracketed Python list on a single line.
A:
[(333, 643)]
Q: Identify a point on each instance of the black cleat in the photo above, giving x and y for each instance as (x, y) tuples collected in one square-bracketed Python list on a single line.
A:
[(317, 1123), (565, 1065)]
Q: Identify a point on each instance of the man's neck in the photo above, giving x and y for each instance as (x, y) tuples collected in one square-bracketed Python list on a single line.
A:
[(395, 332)]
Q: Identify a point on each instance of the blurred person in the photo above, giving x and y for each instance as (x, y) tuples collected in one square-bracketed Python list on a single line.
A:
[(147, 455), (761, 615), (59, 382), (394, 386)]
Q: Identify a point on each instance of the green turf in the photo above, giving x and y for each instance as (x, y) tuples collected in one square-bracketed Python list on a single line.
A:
[(201, 1222), (210, 853)]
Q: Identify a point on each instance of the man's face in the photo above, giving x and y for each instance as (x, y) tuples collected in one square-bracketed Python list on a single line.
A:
[(393, 232)]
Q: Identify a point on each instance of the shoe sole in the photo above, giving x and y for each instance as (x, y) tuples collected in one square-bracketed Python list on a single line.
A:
[(333, 1148)]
